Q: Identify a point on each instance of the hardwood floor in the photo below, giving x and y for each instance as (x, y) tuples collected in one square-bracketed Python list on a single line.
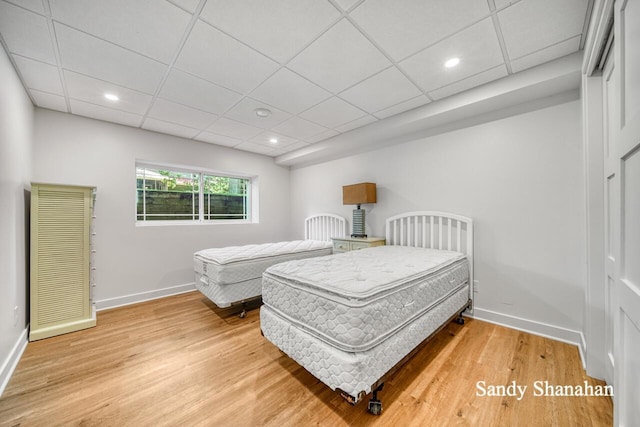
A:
[(180, 361)]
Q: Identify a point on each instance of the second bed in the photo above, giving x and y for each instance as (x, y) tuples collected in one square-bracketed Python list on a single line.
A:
[(233, 275)]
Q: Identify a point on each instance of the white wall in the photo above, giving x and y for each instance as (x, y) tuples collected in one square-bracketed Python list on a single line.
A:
[(148, 260), (16, 124), (519, 178)]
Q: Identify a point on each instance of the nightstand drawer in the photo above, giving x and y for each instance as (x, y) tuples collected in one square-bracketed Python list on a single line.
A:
[(340, 246), (357, 245), (346, 244)]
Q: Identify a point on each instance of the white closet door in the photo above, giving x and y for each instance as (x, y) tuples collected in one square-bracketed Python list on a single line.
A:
[(625, 215)]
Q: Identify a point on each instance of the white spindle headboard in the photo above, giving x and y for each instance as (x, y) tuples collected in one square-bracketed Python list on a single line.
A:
[(324, 226), (436, 230)]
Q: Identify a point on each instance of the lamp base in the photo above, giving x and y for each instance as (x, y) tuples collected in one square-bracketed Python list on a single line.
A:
[(359, 236), (358, 223)]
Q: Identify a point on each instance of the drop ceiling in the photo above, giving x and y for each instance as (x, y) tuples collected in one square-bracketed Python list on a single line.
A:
[(198, 69)]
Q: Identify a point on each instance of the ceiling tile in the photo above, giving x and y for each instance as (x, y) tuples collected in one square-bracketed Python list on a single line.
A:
[(26, 33), (189, 5), (213, 138), (332, 113), (169, 128), (195, 92), (34, 5), (545, 55), (92, 90), (94, 57), (346, 4), (216, 57), (403, 30), (322, 136), (244, 111), (102, 113), (362, 121), (277, 29), (383, 90), (339, 58), (478, 50), (264, 138), (402, 107), (470, 82), (175, 113), (150, 27), (224, 126), (39, 75), (503, 3), (50, 101), (296, 146), (299, 128), (255, 148), (531, 25), (289, 92)]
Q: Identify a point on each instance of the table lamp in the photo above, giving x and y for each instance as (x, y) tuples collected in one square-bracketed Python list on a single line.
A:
[(358, 194)]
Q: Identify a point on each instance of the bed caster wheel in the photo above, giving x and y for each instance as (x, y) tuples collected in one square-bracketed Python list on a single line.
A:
[(244, 310), (375, 407), (460, 320)]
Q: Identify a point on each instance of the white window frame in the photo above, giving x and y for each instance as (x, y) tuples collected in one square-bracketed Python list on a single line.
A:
[(251, 197)]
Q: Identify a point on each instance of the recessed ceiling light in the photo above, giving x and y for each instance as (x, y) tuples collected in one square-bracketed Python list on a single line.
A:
[(262, 112), (111, 97), (449, 63), (273, 140)]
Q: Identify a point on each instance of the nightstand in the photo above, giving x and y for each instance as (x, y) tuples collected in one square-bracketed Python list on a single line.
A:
[(346, 244)]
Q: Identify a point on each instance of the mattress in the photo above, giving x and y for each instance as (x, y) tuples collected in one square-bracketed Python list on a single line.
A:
[(235, 264), (356, 300), (355, 372)]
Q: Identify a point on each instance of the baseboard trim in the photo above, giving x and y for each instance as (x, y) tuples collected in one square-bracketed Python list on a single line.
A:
[(143, 296), (582, 348), (536, 328), (11, 362)]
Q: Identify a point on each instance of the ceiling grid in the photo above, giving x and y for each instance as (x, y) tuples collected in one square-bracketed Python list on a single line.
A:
[(199, 69)]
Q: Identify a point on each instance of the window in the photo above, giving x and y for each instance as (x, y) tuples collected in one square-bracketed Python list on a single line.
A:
[(176, 194)]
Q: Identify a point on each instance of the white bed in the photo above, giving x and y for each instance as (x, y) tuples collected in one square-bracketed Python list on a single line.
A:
[(352, 318), (233, 275)]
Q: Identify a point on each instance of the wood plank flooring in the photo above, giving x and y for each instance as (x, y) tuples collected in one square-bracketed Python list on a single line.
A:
[(180, 361)]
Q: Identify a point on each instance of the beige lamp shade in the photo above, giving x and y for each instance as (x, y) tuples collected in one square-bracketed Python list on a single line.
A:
[(357, 194)]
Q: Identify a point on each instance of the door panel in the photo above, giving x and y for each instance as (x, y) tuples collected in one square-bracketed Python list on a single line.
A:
[(628, 387), (630, 31), (610, 197), (631, 218), (610, 312), (610, 127)]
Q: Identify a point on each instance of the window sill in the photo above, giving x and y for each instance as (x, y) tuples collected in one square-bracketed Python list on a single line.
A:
[(193, 223)]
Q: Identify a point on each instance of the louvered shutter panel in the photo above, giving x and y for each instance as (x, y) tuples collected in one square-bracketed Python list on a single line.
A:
[(60, 260)]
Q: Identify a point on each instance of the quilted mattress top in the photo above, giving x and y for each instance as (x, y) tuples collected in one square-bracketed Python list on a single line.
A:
[(233, 254), (365, 273)]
